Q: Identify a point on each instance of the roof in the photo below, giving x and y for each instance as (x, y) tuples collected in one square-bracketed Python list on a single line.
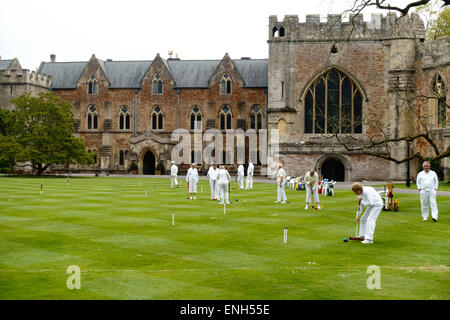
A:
[(64, 74), (128, 74), (4, 64)]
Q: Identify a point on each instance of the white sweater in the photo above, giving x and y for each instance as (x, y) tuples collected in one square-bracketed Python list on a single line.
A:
[(427, 180)]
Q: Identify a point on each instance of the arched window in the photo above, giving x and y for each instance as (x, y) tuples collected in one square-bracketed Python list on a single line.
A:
[(225, 84), (92, 117), (157, 119), (281, 127), (157, 84), (281, 32), (92, 85), (255, 118), (441, 95), (121, 158), (124, 118), (196, 118), (225, 117), (333, 104)]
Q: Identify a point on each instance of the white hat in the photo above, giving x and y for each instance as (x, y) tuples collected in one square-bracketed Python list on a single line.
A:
[(172, 161)]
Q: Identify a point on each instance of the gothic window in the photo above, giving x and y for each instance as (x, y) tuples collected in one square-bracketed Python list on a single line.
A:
[(196, 118), (441, 94), (333, 104), (157, 119), (225, 117), (281, 127), (225, 84), (255, 118), (92, 118), (157, 84), (281, 32), (121, 158), (124, 118), (92, 85)]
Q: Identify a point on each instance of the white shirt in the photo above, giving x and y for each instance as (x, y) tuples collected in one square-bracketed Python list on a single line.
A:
[(281, 175), (427, 180), (192, 175), (314, 179), (173, 170), (250, 169), (223, 177), (240, 170), (370, 197), (212, 174)]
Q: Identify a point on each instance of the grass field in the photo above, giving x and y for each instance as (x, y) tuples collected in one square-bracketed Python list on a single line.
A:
[(127, 248), (443, 186)]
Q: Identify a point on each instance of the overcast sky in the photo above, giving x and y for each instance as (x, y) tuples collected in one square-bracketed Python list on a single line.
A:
[(137, 30)]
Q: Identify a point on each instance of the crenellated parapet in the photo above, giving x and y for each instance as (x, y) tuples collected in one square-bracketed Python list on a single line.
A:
[(24, 77), (380, 27)]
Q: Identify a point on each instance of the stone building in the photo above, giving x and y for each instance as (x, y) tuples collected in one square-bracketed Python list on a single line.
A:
[(323, 80), (362, 79), (15, 81), (127, 110)]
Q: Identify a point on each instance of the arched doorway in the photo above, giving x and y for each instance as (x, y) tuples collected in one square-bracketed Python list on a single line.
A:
[(149, 163), (333, 169)]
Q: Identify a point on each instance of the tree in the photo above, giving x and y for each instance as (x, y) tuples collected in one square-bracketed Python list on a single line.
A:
[(42, 128), (9, 148)]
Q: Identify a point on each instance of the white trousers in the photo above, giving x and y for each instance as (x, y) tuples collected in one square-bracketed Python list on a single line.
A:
[(173, 180), (308, 194), (192, 186), (428, 199), (249, 182), (281, 194), (368, 222), (214, 189), (223, 193), (240, 180)]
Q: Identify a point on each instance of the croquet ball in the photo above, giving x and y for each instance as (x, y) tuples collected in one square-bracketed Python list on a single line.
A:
[(345, 239), (244, 201)]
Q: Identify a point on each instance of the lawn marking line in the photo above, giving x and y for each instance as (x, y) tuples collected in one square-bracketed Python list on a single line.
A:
[(304, 268)]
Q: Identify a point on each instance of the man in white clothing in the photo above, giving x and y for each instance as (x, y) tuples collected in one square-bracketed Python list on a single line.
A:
[(427, 183), (223, 181), (249, 184), (370, 198), (312, 185), (173, 174), (192, 180), (213, 172), (240, 176), (281, 182)]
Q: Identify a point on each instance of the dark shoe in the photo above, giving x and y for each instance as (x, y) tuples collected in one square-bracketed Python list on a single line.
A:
[(435, 220)]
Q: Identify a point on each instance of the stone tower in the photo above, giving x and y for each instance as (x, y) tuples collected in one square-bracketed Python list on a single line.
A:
[(375, 59)]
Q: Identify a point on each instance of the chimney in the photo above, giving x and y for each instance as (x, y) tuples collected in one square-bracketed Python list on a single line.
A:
[(53, 57)]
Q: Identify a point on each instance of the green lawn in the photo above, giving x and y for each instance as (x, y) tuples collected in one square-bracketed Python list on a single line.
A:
[(443, 186), (127, 248)]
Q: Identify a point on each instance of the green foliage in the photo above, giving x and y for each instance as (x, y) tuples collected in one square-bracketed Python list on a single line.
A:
[(133, 166), (435, 165), (9, 148), (440, 27), (43, 127), (438, 19), (160, 167)]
